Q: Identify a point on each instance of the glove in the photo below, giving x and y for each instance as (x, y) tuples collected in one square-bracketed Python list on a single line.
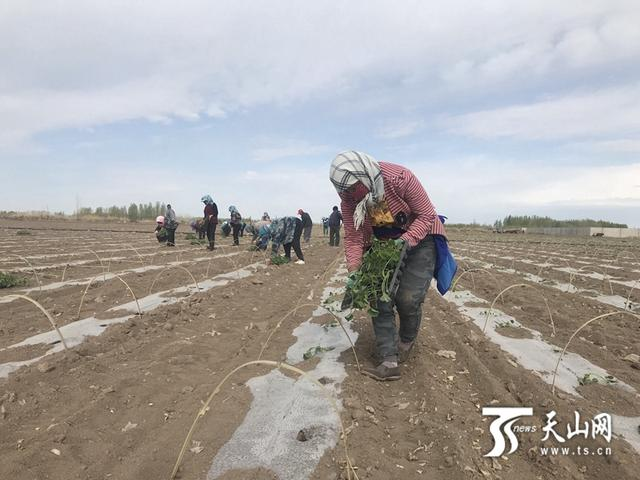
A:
[(347, 301), (400, 242)]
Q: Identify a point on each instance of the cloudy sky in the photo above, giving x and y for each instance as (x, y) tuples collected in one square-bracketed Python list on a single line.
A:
[(498, 106)]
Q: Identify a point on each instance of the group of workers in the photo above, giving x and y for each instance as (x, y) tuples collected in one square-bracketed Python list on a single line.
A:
[(378, 199), (285, 231)]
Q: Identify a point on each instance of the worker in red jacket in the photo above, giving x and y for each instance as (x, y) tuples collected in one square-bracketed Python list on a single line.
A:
[(387, 201)]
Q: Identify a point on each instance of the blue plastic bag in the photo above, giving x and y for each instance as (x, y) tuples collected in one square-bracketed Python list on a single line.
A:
[(445, 264)]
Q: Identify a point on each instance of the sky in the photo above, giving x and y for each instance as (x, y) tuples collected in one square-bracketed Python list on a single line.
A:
[(499, 107)]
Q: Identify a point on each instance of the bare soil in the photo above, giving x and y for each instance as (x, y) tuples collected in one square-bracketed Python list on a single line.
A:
[(155, 370)]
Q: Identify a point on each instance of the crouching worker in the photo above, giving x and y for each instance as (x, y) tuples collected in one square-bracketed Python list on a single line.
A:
[(161, 232), (225, 228), (285, 231), (387, 201), (258, 231)]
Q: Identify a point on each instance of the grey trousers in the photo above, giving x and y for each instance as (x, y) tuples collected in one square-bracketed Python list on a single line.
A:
[(334, 236), (417, 274), (307, 233)]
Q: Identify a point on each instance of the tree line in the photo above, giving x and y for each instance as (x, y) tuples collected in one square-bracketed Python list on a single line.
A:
[(517, 221), (133, 212)]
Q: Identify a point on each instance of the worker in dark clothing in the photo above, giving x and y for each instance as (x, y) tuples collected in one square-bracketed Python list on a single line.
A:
[(335, 219), (307, 225), (171, 224), (210, 220), (235, 221)]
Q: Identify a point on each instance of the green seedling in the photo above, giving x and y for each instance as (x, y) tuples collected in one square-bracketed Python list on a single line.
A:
[(313, 351), (371, 282), (329, 325), (590, 378), (8, 280), (332, 298), (279, 260), (506, 323)]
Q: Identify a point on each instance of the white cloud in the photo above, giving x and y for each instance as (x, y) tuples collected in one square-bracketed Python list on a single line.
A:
[(399, 129), (91, 68), (597, 185), (486, 188), (537, 71), (287, 149), (604, 112), (28, 111), (625, 145)]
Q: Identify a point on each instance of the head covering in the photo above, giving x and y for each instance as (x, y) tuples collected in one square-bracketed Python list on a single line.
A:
[(207, 199), (159, 219), (335, 208), (232, 208), (300, 212), (265, 216), (348, 168)]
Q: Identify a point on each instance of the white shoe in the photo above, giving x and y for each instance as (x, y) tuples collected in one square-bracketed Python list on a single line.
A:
[(300, 262)]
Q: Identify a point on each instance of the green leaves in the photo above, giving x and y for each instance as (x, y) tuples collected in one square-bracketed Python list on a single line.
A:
[(279, 260), (589, 378), (313, 351), (372, 280), (9, 280)]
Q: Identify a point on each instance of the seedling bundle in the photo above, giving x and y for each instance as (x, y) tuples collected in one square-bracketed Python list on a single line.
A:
[(378, 276)]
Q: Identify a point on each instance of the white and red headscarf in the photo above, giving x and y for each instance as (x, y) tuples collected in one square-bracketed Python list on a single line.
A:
[(350, 167)]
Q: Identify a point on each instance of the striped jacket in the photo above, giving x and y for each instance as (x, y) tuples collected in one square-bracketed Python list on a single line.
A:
[(404, 194)]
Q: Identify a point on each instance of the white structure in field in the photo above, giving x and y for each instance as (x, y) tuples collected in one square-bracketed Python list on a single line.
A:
[(587, 231)]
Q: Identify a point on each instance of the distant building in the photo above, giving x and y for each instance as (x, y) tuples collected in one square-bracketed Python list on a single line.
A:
[(586, 231)]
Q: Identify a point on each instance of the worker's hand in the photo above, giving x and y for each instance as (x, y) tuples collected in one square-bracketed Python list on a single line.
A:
[(347, 300), (351, 278), (400, 242)]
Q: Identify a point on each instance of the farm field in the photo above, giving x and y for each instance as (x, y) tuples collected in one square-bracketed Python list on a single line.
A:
[(151, 331)]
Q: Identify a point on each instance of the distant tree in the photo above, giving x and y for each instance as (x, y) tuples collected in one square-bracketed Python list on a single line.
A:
[(543, 222), (132, 213)]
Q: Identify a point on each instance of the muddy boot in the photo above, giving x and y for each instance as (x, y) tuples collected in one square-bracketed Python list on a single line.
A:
[(387, 371), (211, 247)]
